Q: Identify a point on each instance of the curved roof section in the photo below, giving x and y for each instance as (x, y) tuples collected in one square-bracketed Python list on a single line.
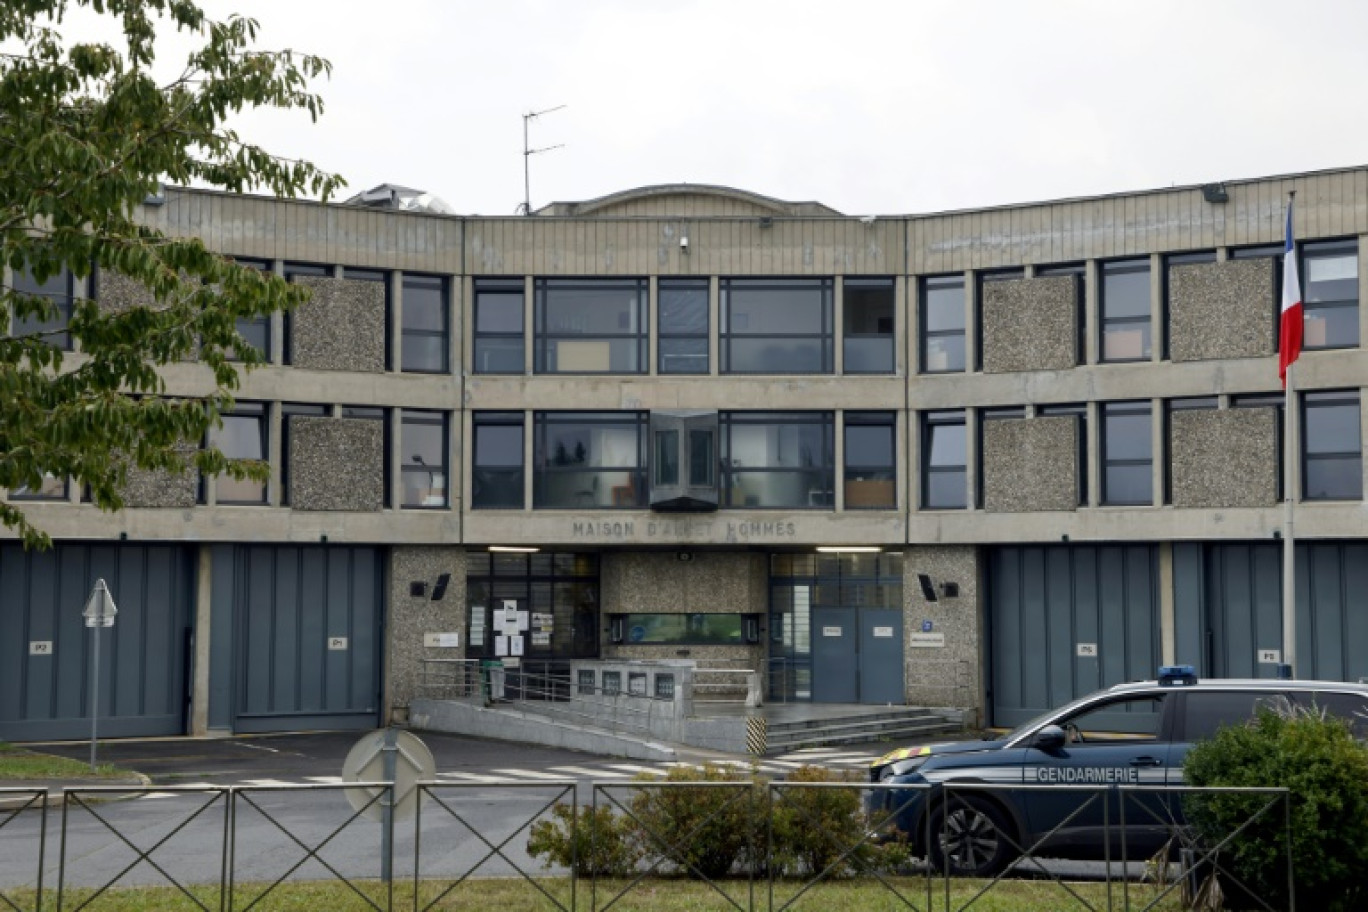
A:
[(686, 200)]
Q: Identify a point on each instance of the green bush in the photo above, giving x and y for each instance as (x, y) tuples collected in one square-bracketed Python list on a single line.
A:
[(600, 843), (1326, 773), (814, 827), (702, 832)]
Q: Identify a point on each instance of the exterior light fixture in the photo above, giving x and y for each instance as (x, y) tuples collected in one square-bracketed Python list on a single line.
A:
[(1215, 193), (849, 549), (513, 549)]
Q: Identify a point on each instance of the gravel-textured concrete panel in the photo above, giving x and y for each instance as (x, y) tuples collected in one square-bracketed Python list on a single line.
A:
[(342, 327), (160, 488), (1030, 464), (943, 675), (413, 616), (117, 293), (336, 464), (1221, 310), (1030, 324), (1225, 458)]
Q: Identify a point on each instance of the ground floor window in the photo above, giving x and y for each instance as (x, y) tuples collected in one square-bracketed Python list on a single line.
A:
[(556, 594)]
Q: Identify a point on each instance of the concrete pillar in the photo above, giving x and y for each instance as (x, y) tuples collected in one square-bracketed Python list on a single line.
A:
[(394, 320), (1092, 273), (199, 696), (1167, 622)]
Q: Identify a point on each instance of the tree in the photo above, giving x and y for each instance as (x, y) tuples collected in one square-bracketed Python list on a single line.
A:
[(87, 133)]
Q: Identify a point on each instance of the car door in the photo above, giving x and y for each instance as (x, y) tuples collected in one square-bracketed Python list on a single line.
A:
[(1115, 741)]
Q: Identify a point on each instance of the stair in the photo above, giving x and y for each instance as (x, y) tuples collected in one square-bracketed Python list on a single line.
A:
[(896, 726)]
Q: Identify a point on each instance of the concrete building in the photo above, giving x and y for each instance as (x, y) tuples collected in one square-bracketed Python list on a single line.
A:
[(658, 422)]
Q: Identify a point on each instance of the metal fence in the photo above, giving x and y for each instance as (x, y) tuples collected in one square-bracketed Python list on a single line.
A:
[(748, 845)]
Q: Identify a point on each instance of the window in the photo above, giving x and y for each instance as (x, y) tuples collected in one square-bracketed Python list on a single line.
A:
[(1125, 307), (1079, 272), (683, 461), (57, 293), (1190, 404), (426, 319), (1330, 295), (1332, 461), (499, 326), (1125, 720), (559, 590), (683, 326), (289, 411), (589, 460), (777, 459), (591, 326), (381, 414), (695, 629), (295, 271), (497, 473), (868, 326), (1205, 712), (944, 461), (942, 324), (1273, 252), (423, 458), (256, 330), (242, 436), (986, 415), (981, 282), (1275, 401), (1079, 413), (52, 488), (1127, 453), (1170, 261), (870, 461), (776, 326)]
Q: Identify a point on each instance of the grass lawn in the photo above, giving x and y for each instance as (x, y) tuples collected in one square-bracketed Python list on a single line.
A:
[(17, 763), (651, 895)]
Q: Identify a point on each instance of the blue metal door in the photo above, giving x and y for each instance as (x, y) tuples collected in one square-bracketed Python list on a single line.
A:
[(45, 648), (881, 656), (834, 656)]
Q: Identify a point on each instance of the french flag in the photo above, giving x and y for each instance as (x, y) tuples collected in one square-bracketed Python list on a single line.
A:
[(1291, 327)]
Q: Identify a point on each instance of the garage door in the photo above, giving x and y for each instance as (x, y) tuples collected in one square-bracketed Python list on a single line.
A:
[(1066, 620), (45, 648)]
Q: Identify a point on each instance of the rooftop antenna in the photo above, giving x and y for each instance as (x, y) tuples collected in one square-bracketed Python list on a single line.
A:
[(528, 152)]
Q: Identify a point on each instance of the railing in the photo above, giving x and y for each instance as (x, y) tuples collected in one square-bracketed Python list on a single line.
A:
[(451, 679)]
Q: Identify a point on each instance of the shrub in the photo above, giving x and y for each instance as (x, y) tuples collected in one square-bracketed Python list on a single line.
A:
[(703, 832), (1326, 773), (814, 827), (599, 843)]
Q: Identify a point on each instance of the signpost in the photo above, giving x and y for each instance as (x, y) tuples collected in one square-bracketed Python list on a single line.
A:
[(396, 757), (99, 612)]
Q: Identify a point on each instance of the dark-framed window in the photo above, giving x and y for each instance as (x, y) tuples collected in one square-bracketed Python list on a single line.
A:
[(777, 459), (867, 309), (496, 473), (1186, 404), (985, 415), (871, 457), (1329, 274), (1079, 273), (981, 281), (499, 311), (941, 320), (1127, 453), (243, 435), (426, 329), (288, 411), (423, 449), (1195, 257), (256, 330), (1079, 413), (776, 326), (1126, 330), (52, 488), (293, 272), (353, 274), (682, 326), (58, 292), (591, 326), (559, 590), (1277, 402), (945, 461), (589, 460), (381, 414), (1332, 446)]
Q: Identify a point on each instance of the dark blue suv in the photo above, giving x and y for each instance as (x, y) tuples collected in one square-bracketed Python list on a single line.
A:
[(1129, 734)]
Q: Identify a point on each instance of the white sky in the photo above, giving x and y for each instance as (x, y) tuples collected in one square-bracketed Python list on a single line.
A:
[(869, 107)]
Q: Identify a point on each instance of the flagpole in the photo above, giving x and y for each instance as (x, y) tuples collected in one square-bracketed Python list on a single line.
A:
[(1291, 342)]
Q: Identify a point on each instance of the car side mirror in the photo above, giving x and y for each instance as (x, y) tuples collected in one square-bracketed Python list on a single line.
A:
[(1050, 737)]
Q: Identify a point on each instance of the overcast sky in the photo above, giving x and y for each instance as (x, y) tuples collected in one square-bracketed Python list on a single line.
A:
[(869, 107)]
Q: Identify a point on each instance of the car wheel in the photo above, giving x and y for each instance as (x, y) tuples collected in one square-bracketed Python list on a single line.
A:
[(971, 838)]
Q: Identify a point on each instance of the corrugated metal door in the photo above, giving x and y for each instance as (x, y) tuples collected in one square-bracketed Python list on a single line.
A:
[(309, 637), (1065, 620), (45, 648), (1228, 607)]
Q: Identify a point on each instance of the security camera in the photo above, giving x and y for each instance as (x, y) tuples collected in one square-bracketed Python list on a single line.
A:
[(684, 242)]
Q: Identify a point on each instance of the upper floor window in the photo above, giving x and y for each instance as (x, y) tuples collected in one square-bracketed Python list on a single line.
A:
[(426, 320), (1125, 307), (942, 324), (776, 326), (1330, 294), (288, 412), (51, 488), (867, 307), (682, 314), (981, 282), (777, 459), (1079, 413), (589, 460), (1185, 404), (945, 459), (380, 414), (497, 471), (1332, 460), (1276, 402), (1127, 453), (56, 295), (499, 324), (256, 330), (1198, 257), (985, 415), (870, 461), (423, 458), (1079, 273), (591, 326), (243, 435)]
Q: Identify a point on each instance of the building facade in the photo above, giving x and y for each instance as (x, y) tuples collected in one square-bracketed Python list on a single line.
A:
[(988, 459)]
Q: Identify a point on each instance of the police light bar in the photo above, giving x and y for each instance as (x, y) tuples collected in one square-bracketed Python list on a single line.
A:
[(1177, 676)]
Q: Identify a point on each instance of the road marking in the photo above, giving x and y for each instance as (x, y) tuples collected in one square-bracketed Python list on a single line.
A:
[(325, 780), (632, 768), (590, 773), (528, 774), (470, 777)]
